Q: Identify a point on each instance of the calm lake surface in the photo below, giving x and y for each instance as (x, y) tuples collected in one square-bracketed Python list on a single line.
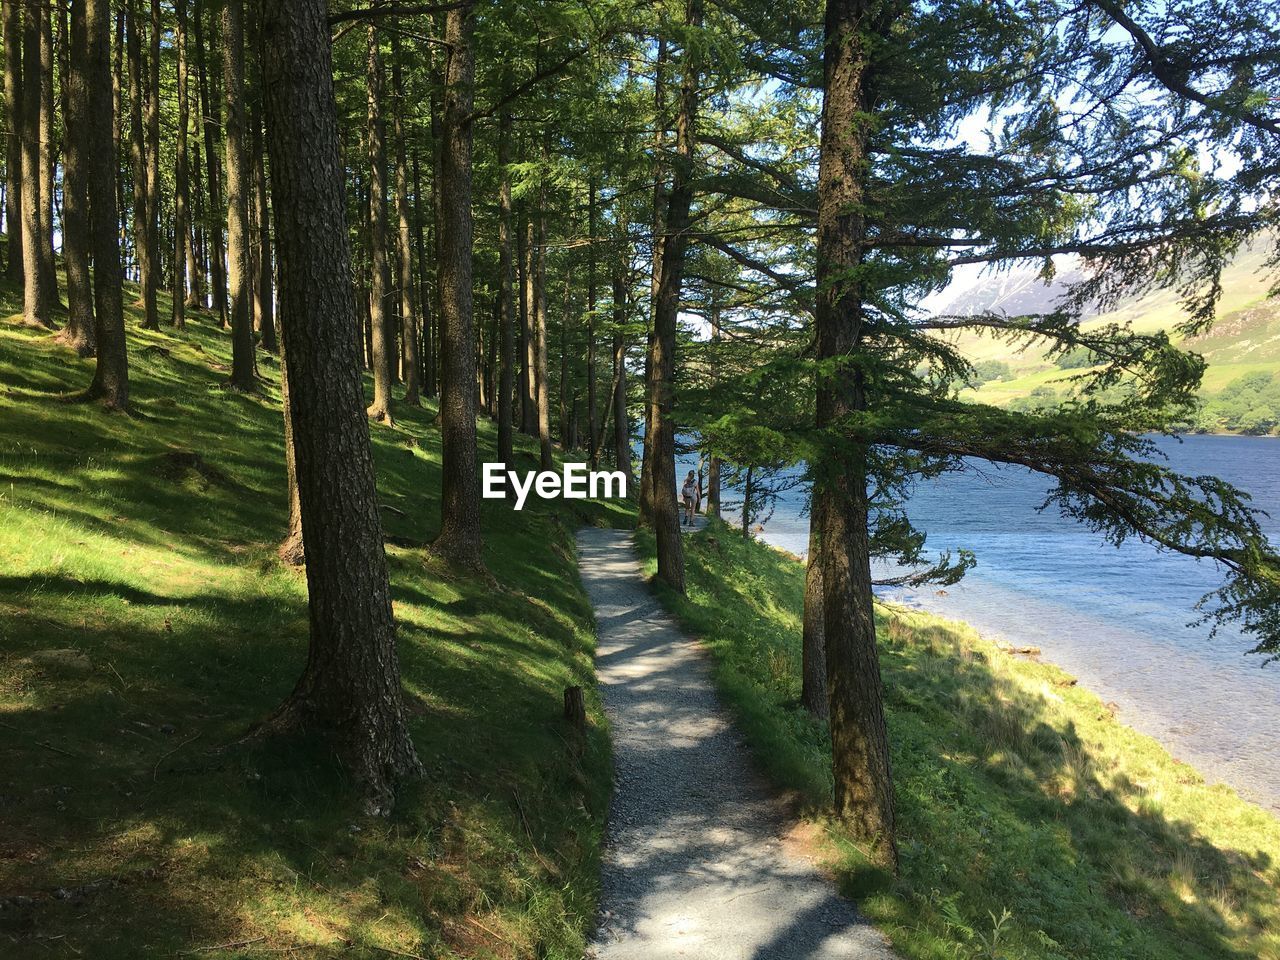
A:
[(1115, 618)]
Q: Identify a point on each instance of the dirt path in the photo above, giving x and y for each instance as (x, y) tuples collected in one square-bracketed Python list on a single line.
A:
[(695, 865)]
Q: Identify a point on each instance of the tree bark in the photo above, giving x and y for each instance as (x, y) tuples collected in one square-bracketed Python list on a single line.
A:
[(36, 307), (593, 413), (529, 323), (565, 429), (211, 120), (506, 301), (264, 282), (713, 462), (813, 689), (13, 98), (428, 352), (292, 548), (111, 378), (117, 127), (539, 254), (621, 420), (661, 386), (404, 244), (48, 267), (142, 231), (237, 199), (459, 538), (350, 690), (384, 336), (859, 736), (181, 226), (659, 234), (198, 216), (238, 259), (79, 333), (149, 263)]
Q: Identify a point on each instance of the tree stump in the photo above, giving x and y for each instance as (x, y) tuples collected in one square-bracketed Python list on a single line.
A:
[(575, 708)]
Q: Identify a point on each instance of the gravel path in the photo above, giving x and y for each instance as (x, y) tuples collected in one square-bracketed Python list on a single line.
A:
[(695, 863)]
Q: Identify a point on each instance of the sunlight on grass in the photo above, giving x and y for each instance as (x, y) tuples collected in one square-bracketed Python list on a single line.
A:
[(1033, 824), (146, 624)]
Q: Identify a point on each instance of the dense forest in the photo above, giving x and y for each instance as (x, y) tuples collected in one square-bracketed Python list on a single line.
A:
[(626, 231)]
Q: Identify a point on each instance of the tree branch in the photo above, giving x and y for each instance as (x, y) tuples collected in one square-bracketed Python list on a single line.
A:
[(1172, 79), (394, 10)]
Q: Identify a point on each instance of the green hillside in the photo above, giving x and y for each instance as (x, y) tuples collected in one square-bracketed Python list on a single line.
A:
[(146, 624), (1242, 351)]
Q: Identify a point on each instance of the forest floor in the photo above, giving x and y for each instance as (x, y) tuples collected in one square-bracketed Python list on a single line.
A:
[(146, 623), (700, 861), (1032, 824)]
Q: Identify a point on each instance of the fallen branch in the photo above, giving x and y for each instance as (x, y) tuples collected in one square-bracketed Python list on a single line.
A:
[(156, 769), (234, 944)]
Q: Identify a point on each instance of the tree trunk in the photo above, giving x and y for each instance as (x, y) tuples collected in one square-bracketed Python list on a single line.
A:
[(529, 323), (48, 267), (13, 98), (79, 333), (539, 253), (621, 421), (210, 123), (238, 259), (292, 549), (661, 386), (492, 347), (36, 307), (111, 378), (181, 186), (138, 156), (149, 239), (197, 218), (264, 285), (563, 395), (506, 302), (593, 413), (859, 737), (384, 335), (748, 491), (350, 689), (117, 127), (459, 538), (659, 235), (713, 462), (813, 690), (428, 352), (404, 245)]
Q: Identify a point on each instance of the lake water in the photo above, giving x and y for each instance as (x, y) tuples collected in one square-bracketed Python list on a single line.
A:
[(1115, 618)]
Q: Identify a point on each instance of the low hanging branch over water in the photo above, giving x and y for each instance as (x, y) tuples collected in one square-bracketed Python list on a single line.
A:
[(1111, 481)]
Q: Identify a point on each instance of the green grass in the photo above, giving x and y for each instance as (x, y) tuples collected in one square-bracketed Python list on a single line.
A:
[(131, 824), (1032, 823)]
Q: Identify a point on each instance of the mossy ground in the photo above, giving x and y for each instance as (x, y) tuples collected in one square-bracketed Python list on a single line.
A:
[(132, 824), (1032, 824)]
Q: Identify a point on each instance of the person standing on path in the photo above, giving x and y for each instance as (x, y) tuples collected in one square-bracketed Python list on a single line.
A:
[(688, 492)]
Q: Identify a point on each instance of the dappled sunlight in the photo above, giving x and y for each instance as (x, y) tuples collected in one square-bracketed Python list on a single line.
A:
[(146, 625)]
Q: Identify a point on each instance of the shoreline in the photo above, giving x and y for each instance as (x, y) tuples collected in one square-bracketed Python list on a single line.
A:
[(1125, 706)]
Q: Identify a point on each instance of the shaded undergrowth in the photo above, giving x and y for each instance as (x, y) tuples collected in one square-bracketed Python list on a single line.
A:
[(146, 624)]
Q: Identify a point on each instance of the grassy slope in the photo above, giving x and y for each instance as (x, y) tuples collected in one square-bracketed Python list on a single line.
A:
[(1017, 790), (124, 832), (1245, 339)]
